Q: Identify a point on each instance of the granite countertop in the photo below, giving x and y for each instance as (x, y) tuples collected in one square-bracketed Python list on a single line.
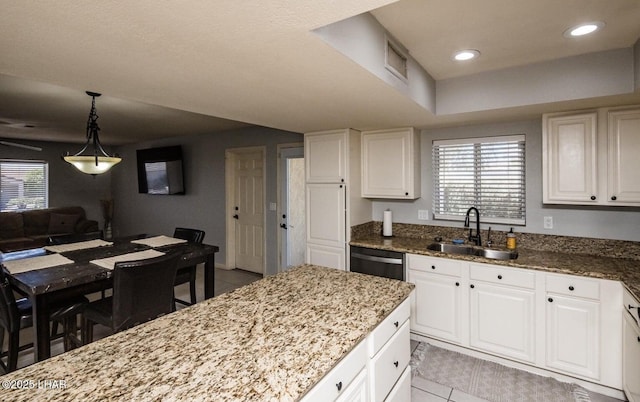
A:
[(272, 340), (618, 269)]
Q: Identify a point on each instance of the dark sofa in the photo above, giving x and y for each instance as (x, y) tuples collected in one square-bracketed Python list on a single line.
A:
[(32, 229)]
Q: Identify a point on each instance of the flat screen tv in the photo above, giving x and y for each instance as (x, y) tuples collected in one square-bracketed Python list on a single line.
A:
[(160, 170)]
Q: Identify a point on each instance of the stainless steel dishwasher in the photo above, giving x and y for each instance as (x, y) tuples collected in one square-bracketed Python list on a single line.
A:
[(388, 264)]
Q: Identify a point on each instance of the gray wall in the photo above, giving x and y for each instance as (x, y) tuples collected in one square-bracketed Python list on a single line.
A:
[(622, 223), (203, 205), (67, 186)]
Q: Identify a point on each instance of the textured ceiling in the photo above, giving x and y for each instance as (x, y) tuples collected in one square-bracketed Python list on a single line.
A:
[(196, 66)]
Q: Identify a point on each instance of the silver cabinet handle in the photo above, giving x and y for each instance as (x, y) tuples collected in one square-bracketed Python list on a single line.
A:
[(387, 260)]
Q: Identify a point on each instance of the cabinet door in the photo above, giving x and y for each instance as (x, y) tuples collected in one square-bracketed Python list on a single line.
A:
[(325, 157), (389, 165), (326, 218), (357, 391), (623, 161), (326, 256), (435, 305), (573, 328), (502, 320), (631, 359), (569, 153)]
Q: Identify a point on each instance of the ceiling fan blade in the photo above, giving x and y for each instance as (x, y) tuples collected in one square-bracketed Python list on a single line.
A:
[(14, 144)]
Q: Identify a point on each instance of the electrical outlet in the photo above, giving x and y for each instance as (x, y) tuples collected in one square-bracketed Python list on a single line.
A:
[(423, 214), (273, 206), (548, 222)]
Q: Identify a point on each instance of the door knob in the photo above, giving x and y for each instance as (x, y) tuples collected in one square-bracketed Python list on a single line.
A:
[(235, 216), (284, 226)]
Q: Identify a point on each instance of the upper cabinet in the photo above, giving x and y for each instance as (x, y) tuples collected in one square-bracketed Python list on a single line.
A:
[(326, 156), (590, 158), (624, 163), (391, 164)]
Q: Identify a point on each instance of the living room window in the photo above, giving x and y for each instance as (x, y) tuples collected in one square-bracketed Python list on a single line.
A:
[(488, 173), (23, 185)]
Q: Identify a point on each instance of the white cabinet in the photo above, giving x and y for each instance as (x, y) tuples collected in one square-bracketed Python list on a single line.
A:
[(590, 158), (377, 369), (337, 382), (326, 156), (333, 202), (631, 349), (624, 164), (391, 164), (565, 324), (438, 283), (583, 328), (502, 311), (569, 154)]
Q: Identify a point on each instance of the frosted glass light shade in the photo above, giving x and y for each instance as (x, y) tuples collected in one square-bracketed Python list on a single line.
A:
[(87, 164)]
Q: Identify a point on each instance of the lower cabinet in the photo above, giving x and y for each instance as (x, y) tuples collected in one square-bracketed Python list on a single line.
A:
[(377, 369), (573, 326), (567, 324), (631, 349), (438, 283)]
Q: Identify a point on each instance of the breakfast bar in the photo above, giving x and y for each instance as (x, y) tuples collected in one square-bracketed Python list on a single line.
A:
[(272, 340)]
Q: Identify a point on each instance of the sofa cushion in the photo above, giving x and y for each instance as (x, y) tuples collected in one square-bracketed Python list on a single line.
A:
[(36, 222), (62, 223), (11, 225)]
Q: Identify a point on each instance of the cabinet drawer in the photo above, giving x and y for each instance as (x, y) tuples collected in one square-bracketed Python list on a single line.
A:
[(631, 306), (503, 275), (570, 285), (337, 380), (434, 264), (402, 390), (388, 327), (389, 363)]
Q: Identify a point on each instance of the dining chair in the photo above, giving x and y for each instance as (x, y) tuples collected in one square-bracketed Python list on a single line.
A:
[(187, 274), (17, 314), (142, 291), (55, 240)]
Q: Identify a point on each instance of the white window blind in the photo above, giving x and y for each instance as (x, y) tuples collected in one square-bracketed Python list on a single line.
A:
[(486, 173), (24, 185)]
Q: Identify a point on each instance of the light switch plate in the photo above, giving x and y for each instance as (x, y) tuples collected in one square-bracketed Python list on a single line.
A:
[(548, 222), (272, 206), (423, 214)]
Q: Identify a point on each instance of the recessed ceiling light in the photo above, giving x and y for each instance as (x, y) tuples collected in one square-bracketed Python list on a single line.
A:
[(466, 54), (583, 29)]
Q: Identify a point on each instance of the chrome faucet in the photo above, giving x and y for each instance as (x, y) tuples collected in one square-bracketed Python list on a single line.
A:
[(474, 238)]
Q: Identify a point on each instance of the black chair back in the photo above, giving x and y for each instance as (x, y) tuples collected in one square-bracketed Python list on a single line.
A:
[(143, 290), (73, 238), (190, 235), (9, 314)]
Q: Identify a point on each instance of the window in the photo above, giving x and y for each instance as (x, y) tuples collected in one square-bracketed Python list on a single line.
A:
[(24, 185), (487, 173)]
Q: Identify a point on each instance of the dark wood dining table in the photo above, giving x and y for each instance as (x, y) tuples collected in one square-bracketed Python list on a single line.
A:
[(44, 286)]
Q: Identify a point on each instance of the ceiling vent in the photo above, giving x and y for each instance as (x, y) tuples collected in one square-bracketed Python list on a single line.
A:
[(395, 59)]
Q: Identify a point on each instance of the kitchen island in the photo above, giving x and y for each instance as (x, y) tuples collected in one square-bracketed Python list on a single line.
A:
[(272, 340)]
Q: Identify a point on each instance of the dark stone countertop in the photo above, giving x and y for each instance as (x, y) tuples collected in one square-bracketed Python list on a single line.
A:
[(595, 266)]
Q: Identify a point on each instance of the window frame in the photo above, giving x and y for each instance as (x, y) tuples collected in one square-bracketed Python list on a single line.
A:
[(45, 191), (478, 163)]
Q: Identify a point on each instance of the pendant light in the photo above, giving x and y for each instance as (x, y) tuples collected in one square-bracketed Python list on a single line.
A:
[(100, 161)]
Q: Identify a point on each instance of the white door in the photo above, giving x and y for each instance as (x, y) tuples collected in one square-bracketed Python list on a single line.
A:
[(249, 210), (326, 221), (292, 208), (631, 359)]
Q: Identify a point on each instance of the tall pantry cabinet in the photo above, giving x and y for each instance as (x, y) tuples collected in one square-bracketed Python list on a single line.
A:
[(333, 202)]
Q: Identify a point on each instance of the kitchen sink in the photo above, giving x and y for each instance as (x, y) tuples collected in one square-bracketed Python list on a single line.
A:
[(490, 253)]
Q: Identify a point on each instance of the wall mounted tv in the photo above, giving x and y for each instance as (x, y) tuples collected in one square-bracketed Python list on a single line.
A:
[(160, 170)]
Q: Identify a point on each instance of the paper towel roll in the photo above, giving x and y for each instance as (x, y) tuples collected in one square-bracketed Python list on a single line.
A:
[(387, 223)]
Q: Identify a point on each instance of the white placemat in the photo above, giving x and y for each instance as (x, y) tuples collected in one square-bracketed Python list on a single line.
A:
[(159, 241), (30, 264), (110, 262), (81, 245)]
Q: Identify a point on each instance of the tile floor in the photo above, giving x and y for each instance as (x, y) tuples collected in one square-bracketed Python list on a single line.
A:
[(227, 280)]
